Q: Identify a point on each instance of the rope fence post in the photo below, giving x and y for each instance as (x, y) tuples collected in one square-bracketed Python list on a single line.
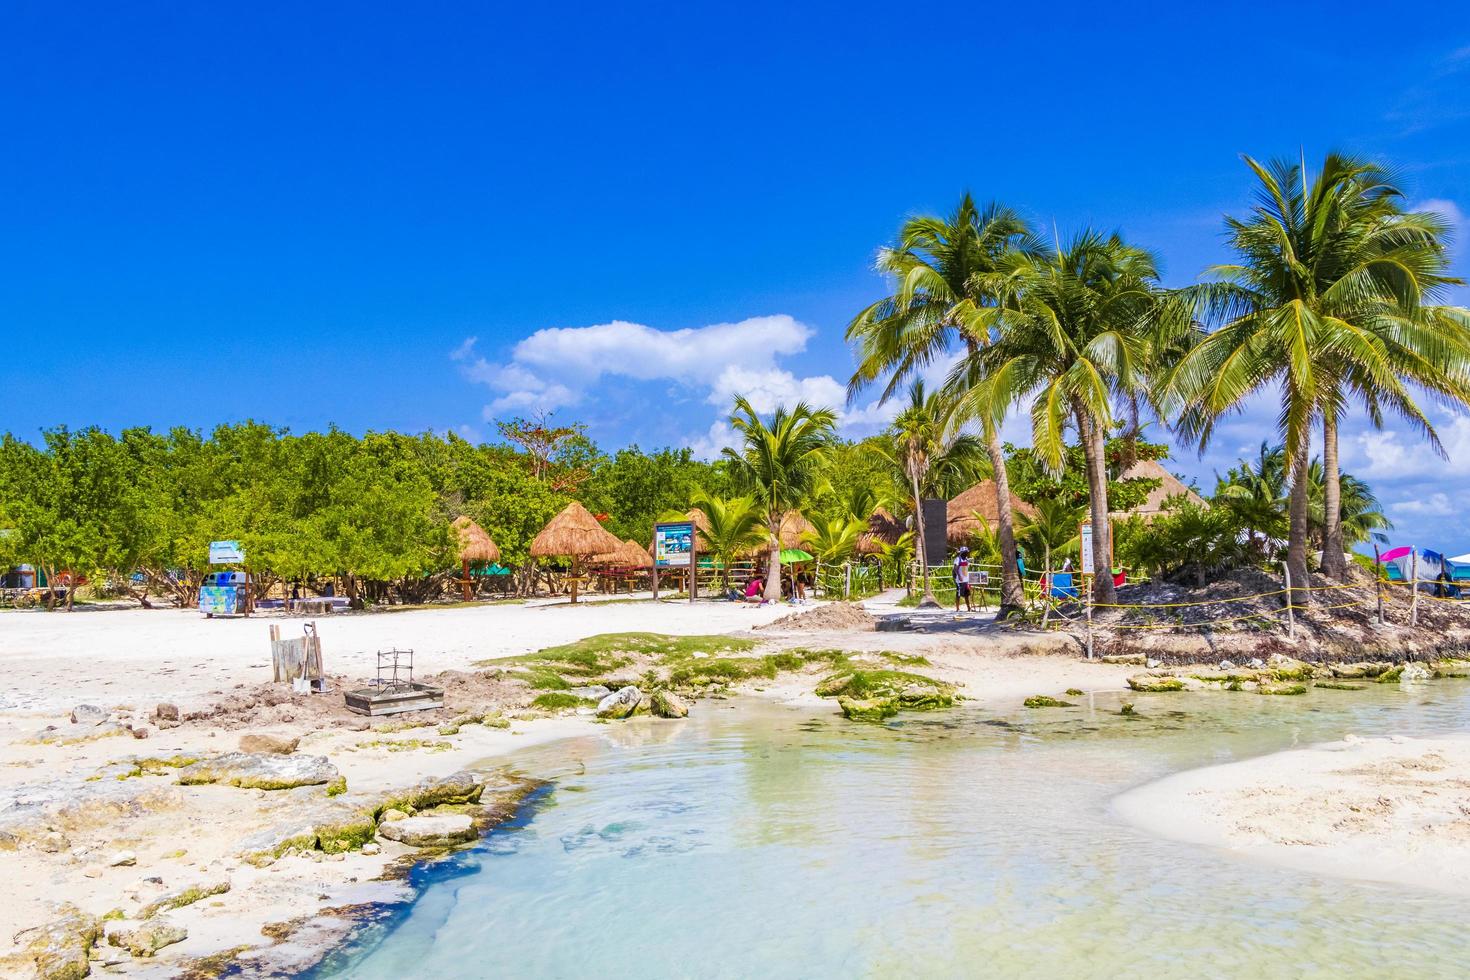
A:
[(1290, 603), (1089, 619), (847, 581), (1414, 584), (1378, 581)]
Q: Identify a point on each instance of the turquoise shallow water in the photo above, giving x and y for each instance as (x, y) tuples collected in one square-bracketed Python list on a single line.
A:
[(765, 841)]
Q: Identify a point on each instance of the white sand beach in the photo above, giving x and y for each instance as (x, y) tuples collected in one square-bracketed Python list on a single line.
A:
[(1389, 809)]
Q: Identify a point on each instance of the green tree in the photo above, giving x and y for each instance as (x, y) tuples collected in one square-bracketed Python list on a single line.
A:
[(1331, 298), (930, 451), (779, 465), (1076, 334), (941, 272), (732, 528)]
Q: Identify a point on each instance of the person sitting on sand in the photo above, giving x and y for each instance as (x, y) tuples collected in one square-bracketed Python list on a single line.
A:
[(753, 592), (961, 573)]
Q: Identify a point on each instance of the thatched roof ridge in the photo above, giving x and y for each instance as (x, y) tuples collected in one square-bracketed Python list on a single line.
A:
[(794, 529), (629, 555), (1170, 486), (474, 543), (574, 533), (977, 504)]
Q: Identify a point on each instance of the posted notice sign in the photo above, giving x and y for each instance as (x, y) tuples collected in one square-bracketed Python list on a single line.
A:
[(1086, 531), (673, 544), (226, 553)]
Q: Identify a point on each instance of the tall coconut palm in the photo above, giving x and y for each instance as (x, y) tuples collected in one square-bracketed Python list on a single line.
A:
[(1254, 490), (732, 528), (930, 452), (938, 270), (1331, 298), (779, 464), (1077, 331)]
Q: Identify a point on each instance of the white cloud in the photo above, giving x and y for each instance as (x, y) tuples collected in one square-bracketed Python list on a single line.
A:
[(1438, 505), (1446, 209), (563, 366), (1391, 455)]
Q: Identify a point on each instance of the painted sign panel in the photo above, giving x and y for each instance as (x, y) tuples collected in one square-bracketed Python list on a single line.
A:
[(1086, 565), (673, 544), (219, 600), (226, 553)]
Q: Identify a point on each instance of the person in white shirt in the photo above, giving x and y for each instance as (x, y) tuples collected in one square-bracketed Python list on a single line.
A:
[(961, 572)]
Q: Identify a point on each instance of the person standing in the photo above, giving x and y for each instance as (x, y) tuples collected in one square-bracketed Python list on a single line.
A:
[(961, 573)]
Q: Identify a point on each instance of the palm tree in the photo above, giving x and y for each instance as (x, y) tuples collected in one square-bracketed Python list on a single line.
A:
[(939, 269), (930, 451), (1359, 513), (1051, 531), (779, 464), (1255, 492), (732, 528), (1330, 298), (1076, 333), (833, 540)]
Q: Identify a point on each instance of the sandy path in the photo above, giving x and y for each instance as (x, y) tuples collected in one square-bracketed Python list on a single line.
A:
[(53, 661), (1393, 809)]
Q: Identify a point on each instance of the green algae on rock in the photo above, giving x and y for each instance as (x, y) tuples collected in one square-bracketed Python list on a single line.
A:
[(1046, 701), (1149, 684), (868, 709)]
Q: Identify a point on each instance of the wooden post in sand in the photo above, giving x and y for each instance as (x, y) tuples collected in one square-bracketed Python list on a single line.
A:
[(1378, 581), (1089, 618), (1290, 605), (1414, 584)]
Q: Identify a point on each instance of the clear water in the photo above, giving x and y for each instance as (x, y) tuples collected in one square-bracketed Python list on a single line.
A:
[(769, 842)]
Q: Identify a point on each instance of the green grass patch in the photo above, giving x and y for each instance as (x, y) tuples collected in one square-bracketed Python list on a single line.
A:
[(871, 683), (558, 700), (905, 659)]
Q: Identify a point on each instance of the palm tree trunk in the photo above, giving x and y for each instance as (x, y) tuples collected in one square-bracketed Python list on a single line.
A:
[(927, 600), (773, 566), (1095, 452), (1334, 561), (1012, 596), (1296, 544)]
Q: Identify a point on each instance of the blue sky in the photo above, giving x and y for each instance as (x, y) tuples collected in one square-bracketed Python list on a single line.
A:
[(303, 213)]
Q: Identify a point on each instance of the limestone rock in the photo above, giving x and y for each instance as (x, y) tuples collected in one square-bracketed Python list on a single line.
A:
[(257, 771), (620, 705), (596, 692), (332, 826), (431, 830), (667, 704), (89, 714), (1127, 659), (390, 815), (123, 859), (371, 848), (460, 787), (1414, 671), (926, 697), (259, 743), (60, 948), (1150, 684), (166, 712), (1284, 668), (149, 937), (868, 709), (183, 896)]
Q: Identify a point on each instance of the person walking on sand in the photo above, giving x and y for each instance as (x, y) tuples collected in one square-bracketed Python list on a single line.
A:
[(961, 573)]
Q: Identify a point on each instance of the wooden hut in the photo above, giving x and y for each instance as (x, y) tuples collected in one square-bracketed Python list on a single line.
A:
[(474, 545), (1169, 486), (978, 504), (574, 534)]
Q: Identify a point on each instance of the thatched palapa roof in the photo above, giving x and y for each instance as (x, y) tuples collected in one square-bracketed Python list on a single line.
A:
[(977, 504), (794, 529), (474, 543), (574, 533), (883, 528), (630, 555), (1170, 486)]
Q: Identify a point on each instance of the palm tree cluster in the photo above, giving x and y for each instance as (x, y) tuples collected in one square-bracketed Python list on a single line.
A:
[(1333, 303)]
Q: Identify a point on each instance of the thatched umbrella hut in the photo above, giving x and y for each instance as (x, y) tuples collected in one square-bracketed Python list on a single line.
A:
[(1169, 486), (794, 529), (883, 529), (976, 505), (474, 545), (574, 534)]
